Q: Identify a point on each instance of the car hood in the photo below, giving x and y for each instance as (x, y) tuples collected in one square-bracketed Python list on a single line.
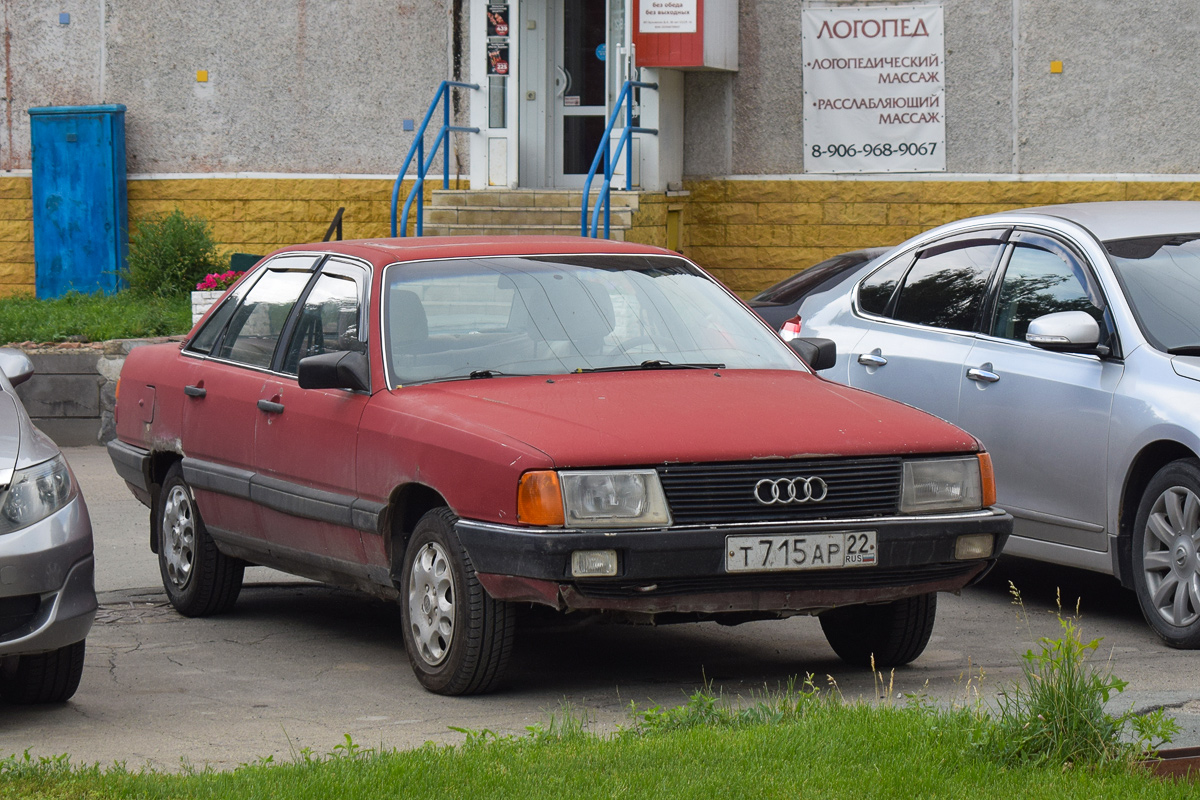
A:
[(652, 417)]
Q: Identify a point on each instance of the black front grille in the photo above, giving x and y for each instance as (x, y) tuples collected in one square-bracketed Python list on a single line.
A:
[(857, 578), (17, 612), (700, 494)]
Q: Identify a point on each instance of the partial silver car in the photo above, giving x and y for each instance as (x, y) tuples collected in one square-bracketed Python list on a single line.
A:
[(1067, 338), (47, 588)]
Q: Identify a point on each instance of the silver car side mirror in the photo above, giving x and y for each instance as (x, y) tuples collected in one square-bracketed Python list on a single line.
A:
[(1065, 331), (15, 365)]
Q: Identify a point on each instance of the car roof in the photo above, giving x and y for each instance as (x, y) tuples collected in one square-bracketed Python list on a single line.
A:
[(420, 248), (1125, 219)]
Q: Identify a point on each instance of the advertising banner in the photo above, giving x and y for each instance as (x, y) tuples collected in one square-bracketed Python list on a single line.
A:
[(874, 89)]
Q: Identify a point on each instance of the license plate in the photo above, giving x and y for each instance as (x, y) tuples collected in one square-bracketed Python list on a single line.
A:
[(791, 552)]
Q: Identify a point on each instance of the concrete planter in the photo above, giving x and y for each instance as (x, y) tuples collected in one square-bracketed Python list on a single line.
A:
[(202, 302)]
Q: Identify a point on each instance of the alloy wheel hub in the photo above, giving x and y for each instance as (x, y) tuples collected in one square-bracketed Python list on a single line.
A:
[(1170, 559)]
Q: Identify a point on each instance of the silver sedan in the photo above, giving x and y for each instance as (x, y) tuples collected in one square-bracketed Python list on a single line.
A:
[(47, 592), (1067, 338)]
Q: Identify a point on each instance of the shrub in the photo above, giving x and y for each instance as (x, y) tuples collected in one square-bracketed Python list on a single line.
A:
[(168, 255)]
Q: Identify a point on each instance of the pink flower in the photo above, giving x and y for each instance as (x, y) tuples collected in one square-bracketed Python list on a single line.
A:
[(218, 281)]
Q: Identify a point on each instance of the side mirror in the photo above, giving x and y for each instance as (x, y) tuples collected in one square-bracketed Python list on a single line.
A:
[(15, 365), (819, 354), (1066, 332), (346, 369)]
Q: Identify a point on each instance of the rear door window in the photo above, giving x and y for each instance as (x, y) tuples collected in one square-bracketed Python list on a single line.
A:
[(947, 284), (215, 325), (256, 325)]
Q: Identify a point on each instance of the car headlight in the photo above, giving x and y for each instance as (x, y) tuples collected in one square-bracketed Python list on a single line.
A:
[(36, 493), (593, 499), (947, 484)]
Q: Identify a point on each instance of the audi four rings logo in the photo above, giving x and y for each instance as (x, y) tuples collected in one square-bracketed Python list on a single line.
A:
[(770, 491)]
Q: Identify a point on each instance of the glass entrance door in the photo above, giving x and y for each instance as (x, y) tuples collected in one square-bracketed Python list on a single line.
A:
[(564, 88), (579, 82)]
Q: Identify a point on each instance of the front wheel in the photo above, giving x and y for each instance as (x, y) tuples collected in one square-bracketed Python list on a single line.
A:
[(457, 637), (44, 677), (1166, 564), (881, 636), (199, 579)]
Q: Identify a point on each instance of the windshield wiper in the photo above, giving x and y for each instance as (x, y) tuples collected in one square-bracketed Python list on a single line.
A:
[(656, 363), (1185, 350)]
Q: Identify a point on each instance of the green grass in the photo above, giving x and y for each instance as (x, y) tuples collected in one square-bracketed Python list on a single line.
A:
[(799, 747), (92, 317)]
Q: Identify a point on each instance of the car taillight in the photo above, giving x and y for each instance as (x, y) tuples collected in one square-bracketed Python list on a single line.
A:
[(790, 329)]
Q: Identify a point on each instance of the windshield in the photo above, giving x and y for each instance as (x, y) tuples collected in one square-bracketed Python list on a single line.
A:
[(551, 315), (1161, 278)]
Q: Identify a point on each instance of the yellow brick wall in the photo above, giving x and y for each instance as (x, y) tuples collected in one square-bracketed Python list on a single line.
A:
[(751, 234), (258, 215), (16, 236)]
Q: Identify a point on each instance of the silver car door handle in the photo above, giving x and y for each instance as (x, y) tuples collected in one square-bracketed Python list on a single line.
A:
[(982, 375), (872, 360)]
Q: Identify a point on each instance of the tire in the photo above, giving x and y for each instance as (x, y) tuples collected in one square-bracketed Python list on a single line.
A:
[(200, 580), (1166, 564), (44, 677), (458, 638), (895, 633)]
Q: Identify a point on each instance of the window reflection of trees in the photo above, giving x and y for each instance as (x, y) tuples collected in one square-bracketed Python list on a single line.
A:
[(1026, 299), (948, 298)]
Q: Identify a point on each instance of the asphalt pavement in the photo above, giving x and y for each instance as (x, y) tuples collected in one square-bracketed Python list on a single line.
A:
[(298, 665)]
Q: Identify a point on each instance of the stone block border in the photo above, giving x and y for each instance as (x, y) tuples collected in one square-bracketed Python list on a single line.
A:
[(74, 387)]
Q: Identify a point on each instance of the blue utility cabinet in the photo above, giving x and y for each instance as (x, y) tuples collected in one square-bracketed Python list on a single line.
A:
[(80, 212)]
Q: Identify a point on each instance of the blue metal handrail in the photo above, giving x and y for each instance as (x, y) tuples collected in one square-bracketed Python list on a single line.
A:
[(418, 149), (602, 152)]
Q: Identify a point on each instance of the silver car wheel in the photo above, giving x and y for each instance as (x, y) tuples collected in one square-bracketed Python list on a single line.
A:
[(431, 603), (179, 536), (1170, 557)]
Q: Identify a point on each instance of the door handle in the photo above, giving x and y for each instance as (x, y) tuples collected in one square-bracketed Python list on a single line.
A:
[(566, 81), (872, 360), (195, 391), (270, 407), (982, 375)]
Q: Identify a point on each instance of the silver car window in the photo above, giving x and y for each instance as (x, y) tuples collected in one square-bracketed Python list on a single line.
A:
[(946, 286), (1040, 280)]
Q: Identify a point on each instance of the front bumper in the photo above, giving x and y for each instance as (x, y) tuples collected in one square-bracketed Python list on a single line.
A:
[(47, 582), (683, 569)]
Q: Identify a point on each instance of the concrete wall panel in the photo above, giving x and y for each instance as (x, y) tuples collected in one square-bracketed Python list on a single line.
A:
[(1126, 98)]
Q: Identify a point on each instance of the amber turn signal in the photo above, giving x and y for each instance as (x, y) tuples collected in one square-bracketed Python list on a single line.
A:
[(987, 480), (539, 499)]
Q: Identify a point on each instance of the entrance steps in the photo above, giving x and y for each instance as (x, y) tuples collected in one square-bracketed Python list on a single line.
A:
[(524, 212)]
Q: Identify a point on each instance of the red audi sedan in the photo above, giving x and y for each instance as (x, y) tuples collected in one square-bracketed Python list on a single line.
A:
[(466, 425)]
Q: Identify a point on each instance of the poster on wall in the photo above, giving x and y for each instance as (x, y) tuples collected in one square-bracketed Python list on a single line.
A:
[(874, 89), (497, 16), (667, 16), (497, 57)]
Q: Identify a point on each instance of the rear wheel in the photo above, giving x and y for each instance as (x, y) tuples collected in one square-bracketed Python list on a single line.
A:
[(44, 677), (458, 638), (894, 633), (200, 580), (1166, 561)]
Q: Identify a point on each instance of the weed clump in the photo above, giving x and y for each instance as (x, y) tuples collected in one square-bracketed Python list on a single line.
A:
[(1055, 714)]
